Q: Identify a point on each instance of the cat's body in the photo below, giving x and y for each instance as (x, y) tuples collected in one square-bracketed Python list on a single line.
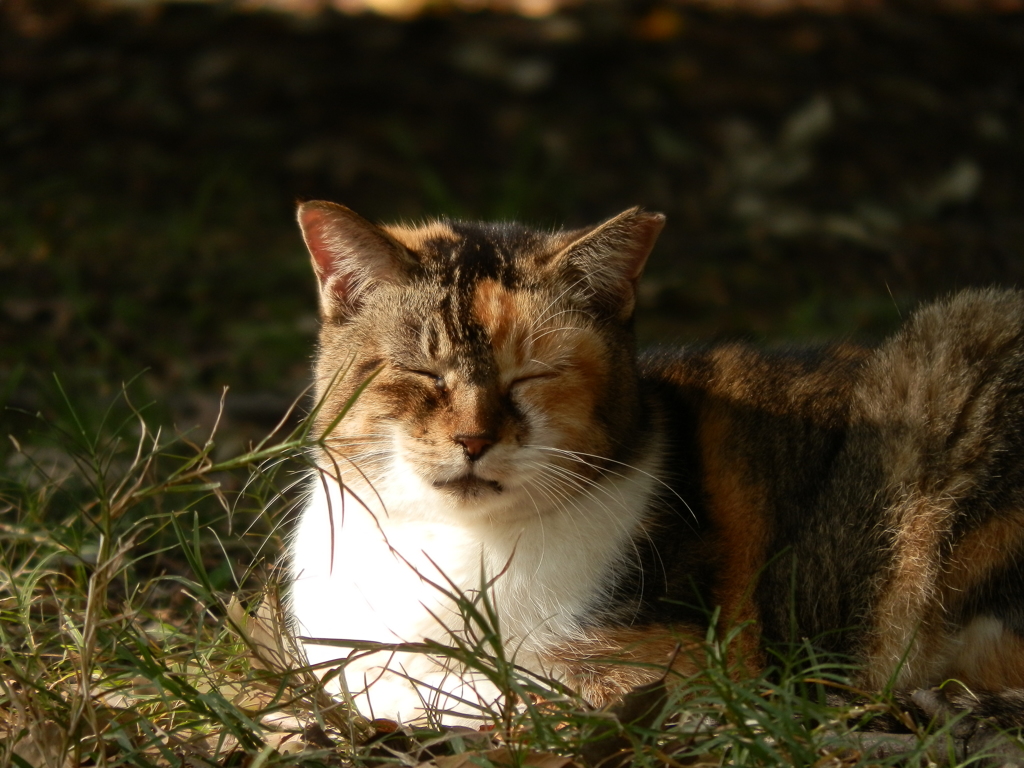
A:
[(870, 500)]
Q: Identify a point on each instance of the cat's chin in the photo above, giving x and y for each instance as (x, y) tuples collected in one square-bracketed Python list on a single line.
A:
[(468, 487)]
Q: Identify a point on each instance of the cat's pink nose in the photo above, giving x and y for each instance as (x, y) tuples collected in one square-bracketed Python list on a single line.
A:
[(474, 445)]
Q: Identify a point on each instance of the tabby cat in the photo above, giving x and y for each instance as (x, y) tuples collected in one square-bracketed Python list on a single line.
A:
[(507, 437)]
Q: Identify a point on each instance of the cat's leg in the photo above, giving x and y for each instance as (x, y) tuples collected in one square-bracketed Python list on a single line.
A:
[(938, 583), (607, 663), (905, 638), (979, 670)]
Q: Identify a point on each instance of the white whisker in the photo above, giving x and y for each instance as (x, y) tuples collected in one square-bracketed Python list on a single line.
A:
[(582, 457)]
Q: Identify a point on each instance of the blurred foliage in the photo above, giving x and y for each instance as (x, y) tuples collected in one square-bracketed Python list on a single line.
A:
[(822, 172)]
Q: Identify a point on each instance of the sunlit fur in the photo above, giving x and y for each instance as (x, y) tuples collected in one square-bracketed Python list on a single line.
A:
[(488, 431)]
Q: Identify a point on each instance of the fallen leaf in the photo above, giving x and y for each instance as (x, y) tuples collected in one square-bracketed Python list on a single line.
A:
[(502, 756)]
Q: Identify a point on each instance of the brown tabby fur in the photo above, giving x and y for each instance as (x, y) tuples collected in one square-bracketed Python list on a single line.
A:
[(870, 500)]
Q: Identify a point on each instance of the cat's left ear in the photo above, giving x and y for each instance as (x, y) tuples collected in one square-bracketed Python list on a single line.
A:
[(350, 256), (605, 262)]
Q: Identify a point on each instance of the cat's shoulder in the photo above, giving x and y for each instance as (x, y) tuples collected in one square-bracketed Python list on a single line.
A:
[(972, 324), (811, 379), (940, 359)]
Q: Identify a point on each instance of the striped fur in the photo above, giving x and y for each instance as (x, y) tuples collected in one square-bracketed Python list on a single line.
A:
[(509, 436)]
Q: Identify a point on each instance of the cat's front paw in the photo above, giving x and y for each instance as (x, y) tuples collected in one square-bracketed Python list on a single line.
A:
[(415, 696)]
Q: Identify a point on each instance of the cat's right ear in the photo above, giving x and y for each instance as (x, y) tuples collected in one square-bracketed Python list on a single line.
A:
[(350, 256), (603, 264)]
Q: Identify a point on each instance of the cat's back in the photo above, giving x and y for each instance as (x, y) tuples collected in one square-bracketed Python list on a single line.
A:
[(947, 385), (813, 382)]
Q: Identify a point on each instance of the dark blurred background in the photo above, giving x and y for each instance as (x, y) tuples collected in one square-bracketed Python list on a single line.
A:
[(824, 166)]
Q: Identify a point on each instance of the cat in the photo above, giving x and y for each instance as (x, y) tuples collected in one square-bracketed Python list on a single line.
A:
[(488, 426)]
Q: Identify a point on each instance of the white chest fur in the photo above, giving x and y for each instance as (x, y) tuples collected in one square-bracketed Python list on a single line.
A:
[(375, 565)]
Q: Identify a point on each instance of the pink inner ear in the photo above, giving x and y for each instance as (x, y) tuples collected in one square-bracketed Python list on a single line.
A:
[(648, 227), (316, 230)]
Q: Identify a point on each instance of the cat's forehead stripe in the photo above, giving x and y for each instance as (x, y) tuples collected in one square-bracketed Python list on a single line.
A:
[(462, 258), (413, 238), (494, 307), (457, 254), (475, 271)]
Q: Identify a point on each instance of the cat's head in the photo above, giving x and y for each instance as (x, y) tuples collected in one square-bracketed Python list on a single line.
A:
[(497, 360)]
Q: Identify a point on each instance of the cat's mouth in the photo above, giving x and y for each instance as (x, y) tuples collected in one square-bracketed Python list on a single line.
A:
[(468, 486)]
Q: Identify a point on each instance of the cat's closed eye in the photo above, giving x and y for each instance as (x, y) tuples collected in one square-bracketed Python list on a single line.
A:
[(532, 378), (435, 378)]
